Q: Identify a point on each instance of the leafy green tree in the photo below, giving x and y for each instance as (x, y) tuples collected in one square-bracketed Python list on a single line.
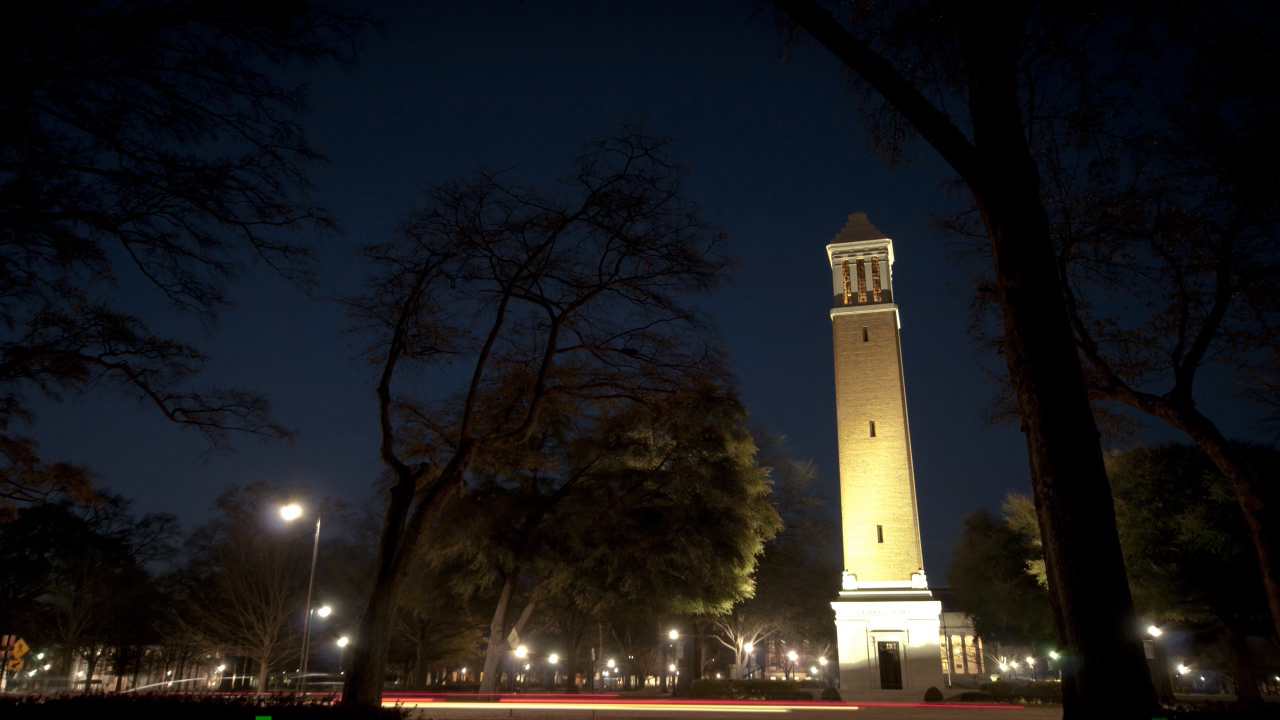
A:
[(149, 144), (1188, 549), (532, 296), (1186, 545), (658, 503), (801, 555), (992, 574)]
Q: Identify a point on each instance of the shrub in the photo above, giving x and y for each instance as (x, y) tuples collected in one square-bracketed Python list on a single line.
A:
[(831, 694), (933, 694), (746, 690), (1023, 693)]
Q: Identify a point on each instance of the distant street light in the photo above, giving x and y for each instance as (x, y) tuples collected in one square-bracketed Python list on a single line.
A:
[(324, 611), (822, 661), (1053, 654), (610, 664), (553, 658), (749, 647), (1154, 631), (671, 667), (674, 635), (519, 652), (343, 641), (292, 512)]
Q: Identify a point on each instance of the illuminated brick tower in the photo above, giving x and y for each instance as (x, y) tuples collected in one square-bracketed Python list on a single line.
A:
[(886, 618)]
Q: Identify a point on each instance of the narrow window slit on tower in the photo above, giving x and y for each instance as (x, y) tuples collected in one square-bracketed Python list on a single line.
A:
[(880, 533), (873, 428), (864, 334)]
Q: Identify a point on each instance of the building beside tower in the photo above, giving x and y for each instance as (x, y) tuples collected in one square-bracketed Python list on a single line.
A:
[(887, 621)]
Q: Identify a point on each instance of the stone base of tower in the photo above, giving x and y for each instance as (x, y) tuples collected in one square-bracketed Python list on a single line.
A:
[(888, 643)]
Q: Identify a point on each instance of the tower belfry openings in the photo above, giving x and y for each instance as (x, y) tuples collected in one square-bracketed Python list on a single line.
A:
[(886, 614)]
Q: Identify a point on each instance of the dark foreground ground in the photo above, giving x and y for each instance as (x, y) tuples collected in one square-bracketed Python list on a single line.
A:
[(420, 707)]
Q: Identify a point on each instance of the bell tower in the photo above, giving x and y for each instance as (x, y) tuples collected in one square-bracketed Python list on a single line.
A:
[(886, 617)]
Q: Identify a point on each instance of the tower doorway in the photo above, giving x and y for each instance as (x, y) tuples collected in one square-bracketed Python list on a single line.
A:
[(890, 666)]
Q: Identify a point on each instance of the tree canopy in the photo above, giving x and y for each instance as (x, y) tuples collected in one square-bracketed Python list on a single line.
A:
[(150, 144)]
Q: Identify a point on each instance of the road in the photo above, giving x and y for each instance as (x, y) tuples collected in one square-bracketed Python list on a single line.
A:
[(718, 710)]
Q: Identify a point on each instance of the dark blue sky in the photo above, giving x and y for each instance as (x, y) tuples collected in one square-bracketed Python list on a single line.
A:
[(778, 158)]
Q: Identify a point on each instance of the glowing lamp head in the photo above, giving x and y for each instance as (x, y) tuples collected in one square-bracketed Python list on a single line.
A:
[(610, 664), (674, 635), (1053, 654), (1183, 669), (221, 668), (522, 651), (814, 669), (1154, 631), (822, 661), (291, 512), (749, 647), (553, 658), (325, 611), (671, 667), (1031, 660), (344, 641), (792, 656)]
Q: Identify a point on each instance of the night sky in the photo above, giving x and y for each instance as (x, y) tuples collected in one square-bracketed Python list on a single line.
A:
[(779, 159)]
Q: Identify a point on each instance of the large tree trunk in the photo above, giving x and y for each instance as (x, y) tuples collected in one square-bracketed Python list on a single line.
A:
[(493, 651), (263, 667), (1105, 673), (369, 650)]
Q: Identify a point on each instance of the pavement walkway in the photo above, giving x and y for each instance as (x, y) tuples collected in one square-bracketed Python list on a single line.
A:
[(663, 710)]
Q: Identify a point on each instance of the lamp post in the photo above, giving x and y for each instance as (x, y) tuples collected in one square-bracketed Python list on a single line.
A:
[(673, 635), (823, 662), (342, 643), (750, 649), (292, 512), (791, 663), (520, 652)]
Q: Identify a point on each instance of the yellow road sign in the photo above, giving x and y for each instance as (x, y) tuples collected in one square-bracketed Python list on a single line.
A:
[(15, 665), (20, 648)]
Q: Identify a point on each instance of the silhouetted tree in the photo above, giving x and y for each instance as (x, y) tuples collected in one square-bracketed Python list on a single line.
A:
[(1167, 250), (978, 82), (530, 296), (144, 143), (249, 579)]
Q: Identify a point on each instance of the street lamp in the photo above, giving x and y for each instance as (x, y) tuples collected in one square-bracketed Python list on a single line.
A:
[(292, 512), (791, 658), (325, 611), (1154, 631), (674, 635), (520, 652)]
